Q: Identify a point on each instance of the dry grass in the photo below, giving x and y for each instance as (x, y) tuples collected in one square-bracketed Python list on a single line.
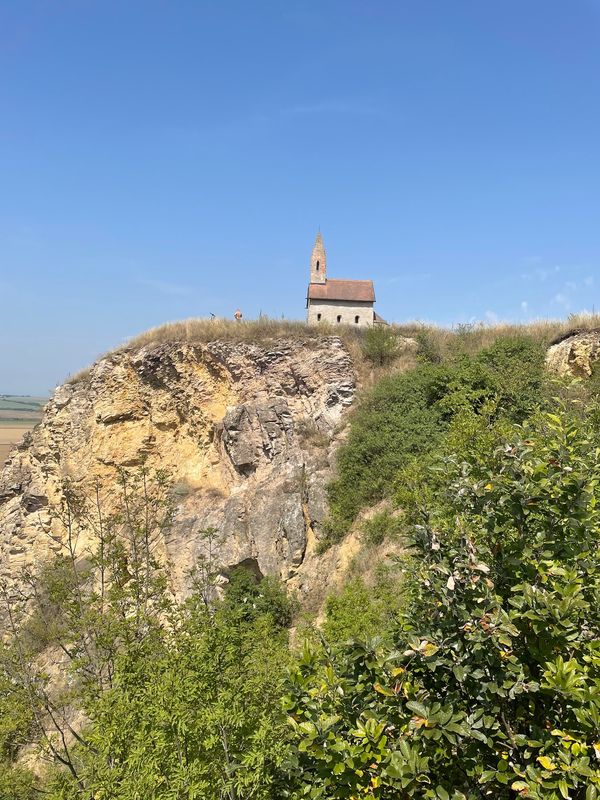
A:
[(439, 343), (77, 377), (474, 337), (254, 331)]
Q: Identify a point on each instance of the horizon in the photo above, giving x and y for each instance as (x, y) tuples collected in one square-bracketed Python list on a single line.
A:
[(163, 163)]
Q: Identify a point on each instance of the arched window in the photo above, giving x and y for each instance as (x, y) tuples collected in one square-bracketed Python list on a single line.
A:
[(318, 262), (356, 318), (339, 317), (318, 318)]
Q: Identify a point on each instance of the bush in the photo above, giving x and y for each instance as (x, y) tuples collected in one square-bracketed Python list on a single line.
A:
[(429, 350), (406, 415), (493, 688), (381, 526), (361, 611), (250, 597), (380, 346), (17, 783)]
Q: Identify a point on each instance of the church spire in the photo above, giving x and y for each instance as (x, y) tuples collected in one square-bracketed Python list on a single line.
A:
[(318, 262)]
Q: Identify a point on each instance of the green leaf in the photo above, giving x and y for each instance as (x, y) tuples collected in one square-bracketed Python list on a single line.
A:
[(564, 789), (417, 708)]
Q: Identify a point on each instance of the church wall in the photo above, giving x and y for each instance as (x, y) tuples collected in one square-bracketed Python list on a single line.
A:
[(348, 311)]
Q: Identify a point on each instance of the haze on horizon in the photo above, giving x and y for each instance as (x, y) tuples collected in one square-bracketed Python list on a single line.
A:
[(166, 160)]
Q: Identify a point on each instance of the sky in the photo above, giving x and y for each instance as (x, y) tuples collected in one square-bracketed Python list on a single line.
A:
[(166, 159)]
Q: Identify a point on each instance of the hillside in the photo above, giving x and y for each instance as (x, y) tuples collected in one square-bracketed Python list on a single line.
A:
[(201, 507), (245, 431)]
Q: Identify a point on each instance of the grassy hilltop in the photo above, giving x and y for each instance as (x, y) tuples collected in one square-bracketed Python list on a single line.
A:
[(434, 341)]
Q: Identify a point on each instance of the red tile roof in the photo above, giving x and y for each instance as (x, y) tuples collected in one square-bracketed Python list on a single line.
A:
[(354, 291)]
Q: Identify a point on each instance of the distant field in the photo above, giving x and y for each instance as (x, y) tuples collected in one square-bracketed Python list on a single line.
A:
[(10, 435), (21, 403), (18, 414)]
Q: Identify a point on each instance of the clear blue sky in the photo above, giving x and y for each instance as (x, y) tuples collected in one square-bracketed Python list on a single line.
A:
[(162, 159)]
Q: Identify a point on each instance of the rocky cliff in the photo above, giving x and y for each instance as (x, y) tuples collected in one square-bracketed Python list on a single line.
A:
[(247, 433), (575, 353)]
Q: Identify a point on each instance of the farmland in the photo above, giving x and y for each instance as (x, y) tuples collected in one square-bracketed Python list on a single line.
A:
[(18, 414)]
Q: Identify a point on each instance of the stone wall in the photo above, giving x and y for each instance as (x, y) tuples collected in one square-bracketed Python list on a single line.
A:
[(330, 310)]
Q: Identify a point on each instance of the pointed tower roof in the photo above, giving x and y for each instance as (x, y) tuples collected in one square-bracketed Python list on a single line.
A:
[(318, 261), (319, 243)]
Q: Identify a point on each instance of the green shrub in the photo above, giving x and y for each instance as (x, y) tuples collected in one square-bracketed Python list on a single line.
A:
[(361, 611), (17, 783), (380, 527), (333, 530), (250, 597), (406, 415), (380, 346), (429, 350), (493, 687)]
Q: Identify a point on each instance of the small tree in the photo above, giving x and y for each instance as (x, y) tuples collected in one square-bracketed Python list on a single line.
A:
[(86, 608)]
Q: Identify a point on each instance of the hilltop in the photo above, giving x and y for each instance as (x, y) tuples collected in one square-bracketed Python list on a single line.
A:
[(440, 341)]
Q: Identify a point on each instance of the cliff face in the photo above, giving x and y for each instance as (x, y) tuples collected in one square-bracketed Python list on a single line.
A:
[(246, 431)]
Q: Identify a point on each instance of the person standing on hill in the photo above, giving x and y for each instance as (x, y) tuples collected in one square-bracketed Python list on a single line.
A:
[(238, 315)]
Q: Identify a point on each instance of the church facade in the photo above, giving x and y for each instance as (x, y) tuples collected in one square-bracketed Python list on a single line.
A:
[(337, 302)]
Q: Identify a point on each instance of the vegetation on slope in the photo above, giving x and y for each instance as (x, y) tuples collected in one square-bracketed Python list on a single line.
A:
[(406, 415), (491, 687), (468, 669), (180, 700)]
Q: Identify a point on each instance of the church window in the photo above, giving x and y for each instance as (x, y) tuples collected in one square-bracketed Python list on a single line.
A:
[(339, 317), (318, 318), (356, 318), (318, 265)]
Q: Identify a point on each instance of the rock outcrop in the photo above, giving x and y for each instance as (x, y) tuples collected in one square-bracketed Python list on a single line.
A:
[(575, 353), (247, 432)]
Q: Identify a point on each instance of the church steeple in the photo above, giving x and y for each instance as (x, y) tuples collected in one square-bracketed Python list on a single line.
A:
[(318, 262)]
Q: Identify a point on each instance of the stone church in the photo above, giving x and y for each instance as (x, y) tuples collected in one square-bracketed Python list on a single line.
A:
[(335, 301)]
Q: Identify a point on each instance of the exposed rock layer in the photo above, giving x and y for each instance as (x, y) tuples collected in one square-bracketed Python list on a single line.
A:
[(575, 354), (246, 431)]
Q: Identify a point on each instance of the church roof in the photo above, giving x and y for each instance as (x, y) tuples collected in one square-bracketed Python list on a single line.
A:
[(354, 291)]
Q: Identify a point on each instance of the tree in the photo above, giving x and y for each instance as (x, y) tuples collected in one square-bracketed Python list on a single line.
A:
[(493, 688), (160, 699), (85, 608), (194, 716)]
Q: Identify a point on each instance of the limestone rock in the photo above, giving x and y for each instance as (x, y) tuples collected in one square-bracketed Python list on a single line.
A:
[(574, 354), (227, 421)]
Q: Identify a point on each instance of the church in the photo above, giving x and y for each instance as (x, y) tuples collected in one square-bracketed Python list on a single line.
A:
[(335, 301)]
